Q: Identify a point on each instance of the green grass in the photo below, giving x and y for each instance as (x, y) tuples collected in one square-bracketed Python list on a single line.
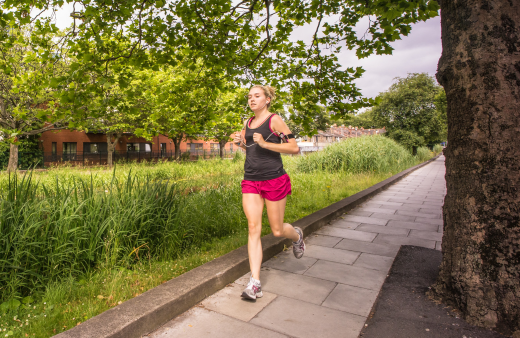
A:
[(76, 242)]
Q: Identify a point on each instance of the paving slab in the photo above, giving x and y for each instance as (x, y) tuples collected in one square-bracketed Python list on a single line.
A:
[(227, 302), (384, 203), (382, 229), (389, 250), (347, 274), (418, 214), (378, 210), (351, 299), (202, 323), (403, 207), (393, 217), (368, 220), (322, 240), (341, 223), (413, 225), (360, 213), (430, 210), (300, 319), (306, 288), (375, 262), (430, 235), (429, 220), (346, 233), (331, 255), (399, 240), (287, 262), (438, 246)]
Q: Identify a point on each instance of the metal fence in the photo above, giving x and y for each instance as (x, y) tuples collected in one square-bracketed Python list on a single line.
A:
[(28, 160)]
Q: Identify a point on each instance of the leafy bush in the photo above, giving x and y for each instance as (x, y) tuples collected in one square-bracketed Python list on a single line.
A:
[(437, 149), (423, 154), (356, 155)]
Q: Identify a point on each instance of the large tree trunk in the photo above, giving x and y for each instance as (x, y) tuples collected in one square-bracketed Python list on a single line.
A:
[(222, 145), (177, 143), (13, 158), (480, 71), (111, 147)]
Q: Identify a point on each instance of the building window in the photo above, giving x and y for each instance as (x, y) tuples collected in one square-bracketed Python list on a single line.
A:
[(214, 147), (130, 147), (54, 148), (195, 147), (95, 148), (139, 147), (163, 147), (69, 151)]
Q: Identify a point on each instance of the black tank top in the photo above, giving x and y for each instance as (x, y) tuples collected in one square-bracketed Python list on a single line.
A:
[(262, 164)]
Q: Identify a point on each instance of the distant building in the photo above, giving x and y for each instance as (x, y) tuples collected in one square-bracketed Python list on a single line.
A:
[(91, 148), (334, 134)]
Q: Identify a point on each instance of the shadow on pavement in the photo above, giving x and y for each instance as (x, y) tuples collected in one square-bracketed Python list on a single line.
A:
[(404, 311)]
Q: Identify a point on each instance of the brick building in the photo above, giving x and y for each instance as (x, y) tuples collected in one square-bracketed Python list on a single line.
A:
[(86, 148)]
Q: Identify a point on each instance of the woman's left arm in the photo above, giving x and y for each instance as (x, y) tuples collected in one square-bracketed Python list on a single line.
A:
[(278, 126)]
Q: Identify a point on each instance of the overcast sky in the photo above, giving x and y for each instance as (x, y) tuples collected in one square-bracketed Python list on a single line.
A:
[(419, 52)]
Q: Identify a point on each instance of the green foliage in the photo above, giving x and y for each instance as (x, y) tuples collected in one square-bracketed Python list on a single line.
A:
[(413, 111), (301, 126), (228, 38), (355, 155), (363, 120), (423, 154), (437, 149), (30, 155)]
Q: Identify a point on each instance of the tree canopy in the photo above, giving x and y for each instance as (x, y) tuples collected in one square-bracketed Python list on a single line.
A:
[(413, 110)]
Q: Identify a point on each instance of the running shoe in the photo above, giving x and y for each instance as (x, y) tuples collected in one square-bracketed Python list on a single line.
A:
[(253, 290), (298, 247)]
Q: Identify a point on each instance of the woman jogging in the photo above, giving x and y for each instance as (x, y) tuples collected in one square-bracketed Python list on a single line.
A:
[(265, 180)]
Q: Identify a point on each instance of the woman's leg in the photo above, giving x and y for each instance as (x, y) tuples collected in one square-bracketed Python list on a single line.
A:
[(275, 213), (253, 206)]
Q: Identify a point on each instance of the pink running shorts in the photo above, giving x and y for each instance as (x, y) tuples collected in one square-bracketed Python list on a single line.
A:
[(272, 190)]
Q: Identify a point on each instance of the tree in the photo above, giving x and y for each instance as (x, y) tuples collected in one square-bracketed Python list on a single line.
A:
[(307, 127), (364, 120), (26, 101), (229, 116), (480, 72), (183, 99), (116, 105), (409, 112)]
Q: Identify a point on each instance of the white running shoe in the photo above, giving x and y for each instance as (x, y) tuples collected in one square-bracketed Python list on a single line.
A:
[(253, 290)]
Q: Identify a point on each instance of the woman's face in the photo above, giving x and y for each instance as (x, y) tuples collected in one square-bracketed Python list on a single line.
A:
[(257, 99)]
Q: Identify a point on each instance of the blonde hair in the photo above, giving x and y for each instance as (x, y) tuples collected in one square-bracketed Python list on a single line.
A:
[(268, 92)]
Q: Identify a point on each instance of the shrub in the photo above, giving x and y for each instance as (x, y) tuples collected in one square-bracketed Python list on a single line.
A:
[(356, 155), (423, 154)]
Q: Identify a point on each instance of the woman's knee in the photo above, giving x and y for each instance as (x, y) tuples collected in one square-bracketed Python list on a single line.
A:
[(254, 227), (277, 232)]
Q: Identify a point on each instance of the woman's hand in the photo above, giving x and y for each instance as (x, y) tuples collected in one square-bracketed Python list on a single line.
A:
[(237, 138), (259, 139)]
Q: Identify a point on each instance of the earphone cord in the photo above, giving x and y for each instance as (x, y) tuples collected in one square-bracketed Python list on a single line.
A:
[(247, 146)]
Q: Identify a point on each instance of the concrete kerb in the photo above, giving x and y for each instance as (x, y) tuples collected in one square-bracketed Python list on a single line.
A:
[(152, 309)]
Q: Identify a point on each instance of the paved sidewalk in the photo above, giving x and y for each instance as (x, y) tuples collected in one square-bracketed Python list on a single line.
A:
[(331, 290)]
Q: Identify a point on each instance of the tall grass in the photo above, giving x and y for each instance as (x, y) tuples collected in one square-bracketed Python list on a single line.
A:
[(48, 234), (356, 155)]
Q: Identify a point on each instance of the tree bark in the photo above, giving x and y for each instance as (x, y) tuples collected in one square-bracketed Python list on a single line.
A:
[(111, 146), (480, 72), (13, 158), (177, 143), (222, 146)]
